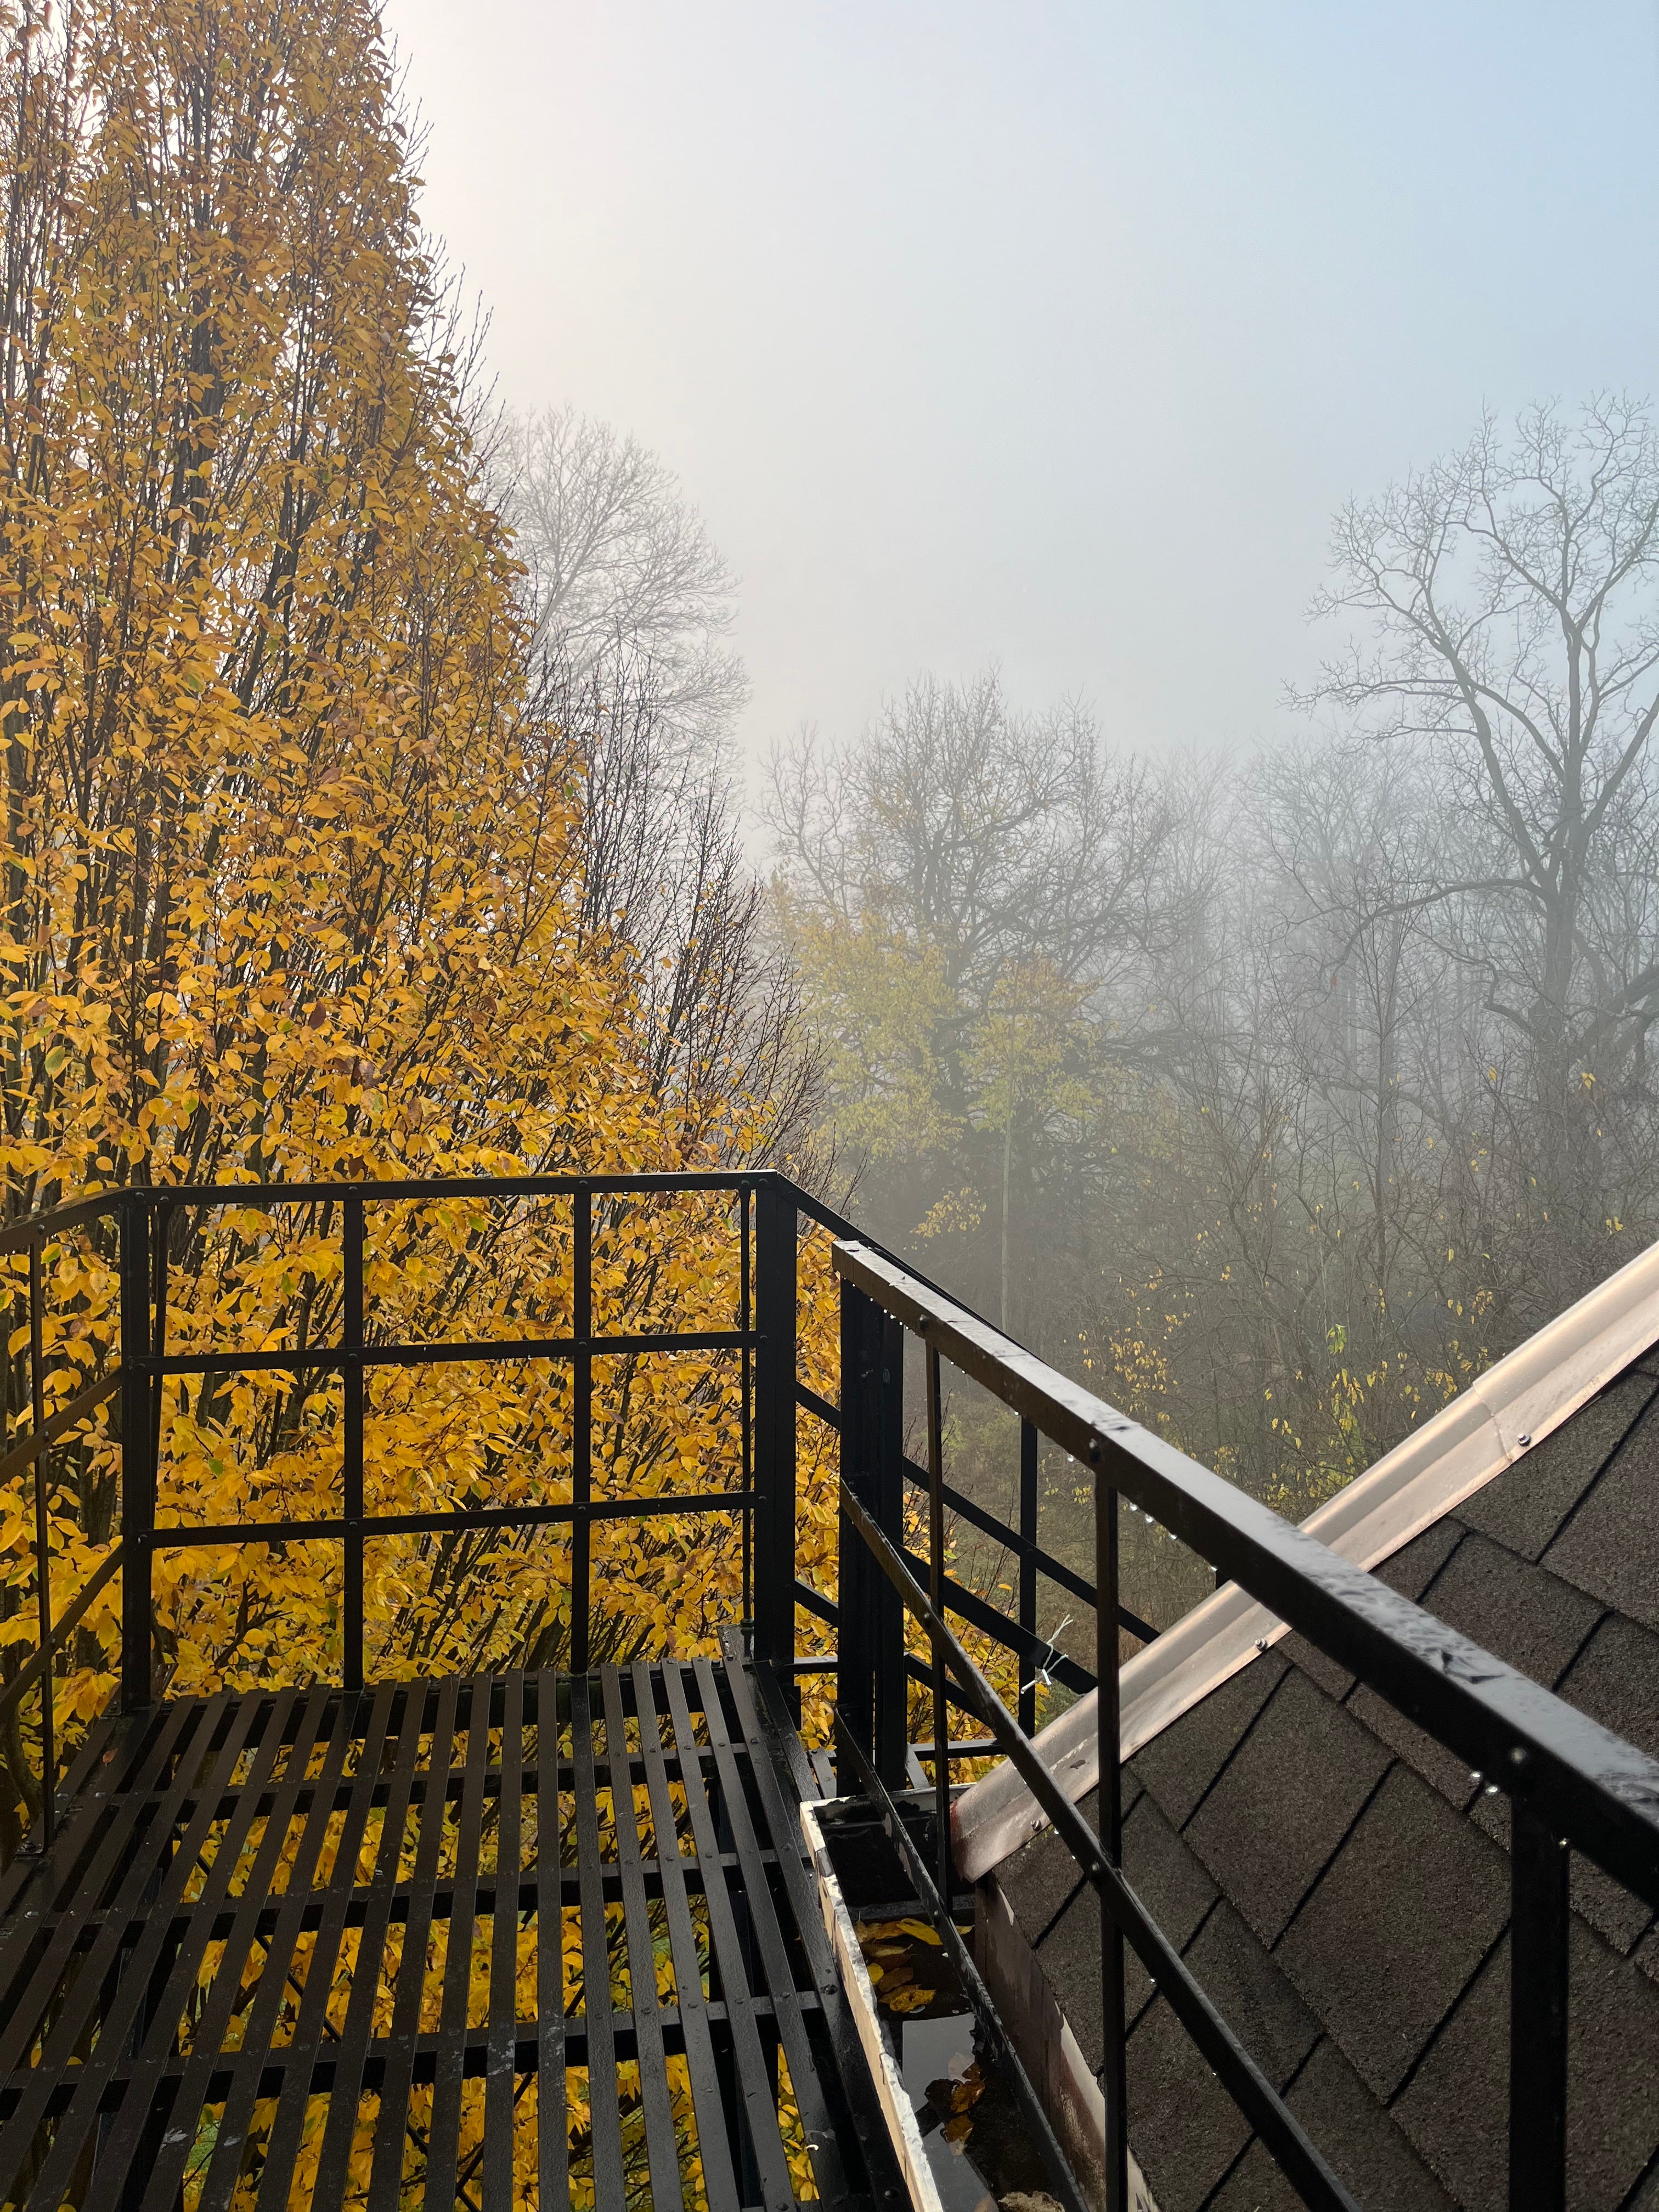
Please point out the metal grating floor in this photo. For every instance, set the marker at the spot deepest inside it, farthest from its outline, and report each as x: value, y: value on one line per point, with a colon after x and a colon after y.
x: 263, y: 1964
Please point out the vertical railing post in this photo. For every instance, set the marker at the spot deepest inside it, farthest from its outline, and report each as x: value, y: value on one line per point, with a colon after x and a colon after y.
x: 42, y: 1546
x: 139, y: 1426
x: 775, y: 1323
x: 1028, y: 1573
x: 936, y: 1592
x: 1539, y: 1924
x: 351, y: 1332
x: 855, y: 1633
x: 870, y: 1633
x: 892, y: 1753
x: 746, y: 1402
x: 1113, y: 2077
x: 581, y: 1414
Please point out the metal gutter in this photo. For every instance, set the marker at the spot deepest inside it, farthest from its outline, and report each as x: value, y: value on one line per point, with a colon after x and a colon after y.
x: 1506, y: 1412
x: 895, y: 2107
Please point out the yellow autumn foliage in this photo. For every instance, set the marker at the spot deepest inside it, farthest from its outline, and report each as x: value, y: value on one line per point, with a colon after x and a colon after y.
x: 289, y: 890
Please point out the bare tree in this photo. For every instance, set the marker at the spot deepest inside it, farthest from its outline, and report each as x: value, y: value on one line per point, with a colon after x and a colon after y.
x: 631, y: 600
x: 992, y: 836
x: 1513, y: 598
x: 663, y: 877
x: 622, y: 573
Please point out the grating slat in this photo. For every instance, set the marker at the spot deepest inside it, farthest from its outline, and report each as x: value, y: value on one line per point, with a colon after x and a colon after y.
x: 26, y: 2006
x: 662, y: 2150
x: 71, y: 2016
x: 719, y: 2181
x: 444, y: 2142
x: 269, y: 2002
x: 385, y: 2186
x: 139, y: 2093
x: 301, y: 2051
x: 339, y: 2134
x: 161, y: 2192
x: 551, y: 2147
x: 756, y: 2066
x: 603, y: 2100
x: 499, y: 2080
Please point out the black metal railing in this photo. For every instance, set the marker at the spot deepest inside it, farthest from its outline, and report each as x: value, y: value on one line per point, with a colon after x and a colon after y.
x: 771, y: 1212
x: 1571, y: 1785
x: 763, y: 1337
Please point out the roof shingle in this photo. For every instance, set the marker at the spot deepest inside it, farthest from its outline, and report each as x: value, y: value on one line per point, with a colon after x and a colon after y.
x: 1527, y: 1504
x: 1179, y: 1766
x: 1285, y: 1802
x: 1610, y: 1546
x: 1358, y: 1944
x: 1369, y: 2154
x: 1529, y: 1617
x: 1400, y: 1919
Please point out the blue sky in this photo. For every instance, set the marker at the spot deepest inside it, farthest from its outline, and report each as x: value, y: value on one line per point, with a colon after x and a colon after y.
x: 1048, y: 334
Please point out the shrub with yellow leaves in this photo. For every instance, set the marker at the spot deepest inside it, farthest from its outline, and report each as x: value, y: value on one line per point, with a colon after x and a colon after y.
x: 290, y: 873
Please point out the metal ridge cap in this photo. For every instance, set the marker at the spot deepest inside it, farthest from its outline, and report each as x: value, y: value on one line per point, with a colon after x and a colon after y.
x: 1528, y: 1393
x: 1520, y: 1399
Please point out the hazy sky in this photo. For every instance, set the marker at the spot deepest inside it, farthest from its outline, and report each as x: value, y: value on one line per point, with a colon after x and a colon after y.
x: 1050, y: 334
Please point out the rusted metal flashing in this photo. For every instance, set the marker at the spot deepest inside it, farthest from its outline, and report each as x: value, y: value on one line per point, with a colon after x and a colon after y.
x: 1048, y: 2050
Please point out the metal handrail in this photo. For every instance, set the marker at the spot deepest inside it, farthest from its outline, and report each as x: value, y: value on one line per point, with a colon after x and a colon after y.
x: 147, y: 1363
x: 37, y: 1228
x: 143, y: 1209
x: 1255, y: 2096
x: 1572, y: 1784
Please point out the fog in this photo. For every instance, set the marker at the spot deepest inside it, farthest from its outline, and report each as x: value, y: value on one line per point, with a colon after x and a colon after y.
x: 1046, y: 337
x: 926, y: 437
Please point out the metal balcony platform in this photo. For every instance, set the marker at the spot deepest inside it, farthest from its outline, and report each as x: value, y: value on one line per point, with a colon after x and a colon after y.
x: 308, y: 1946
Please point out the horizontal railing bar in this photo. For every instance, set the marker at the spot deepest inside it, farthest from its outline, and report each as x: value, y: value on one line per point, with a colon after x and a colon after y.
x: 436, y: 1355
x: 1070, y: 1580
x: 1248, y: 2088
x: 1002, y: 1629
x: 29, y: 1449
x: 18, y: 1235
x: 36, y: 1228
x: 407, y: 1190
x: 978, y: 1516
x: 975, y: 1747
x: 809, y: 1400
x: 815, y: 1601
x: 433, y: 1524
x: 919, y: 1672
x: 74, y: 1613
x: 508, y: 1516
x: 998, y: 1625
x: 1055, y: 1570
x: 976, y: 1610
x: 1601, y: 1793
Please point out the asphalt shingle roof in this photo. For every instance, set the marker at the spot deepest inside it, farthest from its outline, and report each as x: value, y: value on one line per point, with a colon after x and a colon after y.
x: 1340, y: 1886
